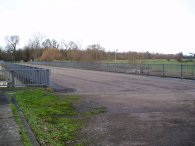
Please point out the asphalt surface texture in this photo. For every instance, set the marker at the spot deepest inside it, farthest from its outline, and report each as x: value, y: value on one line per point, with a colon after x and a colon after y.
x: 141, y: 110
x: 9, y: 131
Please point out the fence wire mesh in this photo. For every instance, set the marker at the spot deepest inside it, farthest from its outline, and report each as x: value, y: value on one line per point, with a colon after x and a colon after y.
x: 166, y: 70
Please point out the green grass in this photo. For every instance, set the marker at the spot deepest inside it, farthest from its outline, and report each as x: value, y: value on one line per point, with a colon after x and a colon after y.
x: 153, y: 61
x: 95, y: 111
x: 53, y: 119
x: 113, y: 61
x: 164, y: 61
x: 24, y: 138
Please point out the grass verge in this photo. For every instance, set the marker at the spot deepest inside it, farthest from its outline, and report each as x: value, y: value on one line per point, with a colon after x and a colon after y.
x: 24, y: 138
x: 95, y: 111
x: 53, y: 120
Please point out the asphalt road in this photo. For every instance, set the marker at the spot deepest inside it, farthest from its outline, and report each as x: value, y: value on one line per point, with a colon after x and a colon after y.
x: 141, y: 110
x: 95, y: 82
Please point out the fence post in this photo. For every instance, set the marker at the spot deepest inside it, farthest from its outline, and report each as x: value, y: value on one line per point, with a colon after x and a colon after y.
x: 148, y: 69
x: 193, y: 71
x: 125, y: 69
x: 163, y: 70
x: 13, y: 81
x: 48, y: 77
x: 181, y: 73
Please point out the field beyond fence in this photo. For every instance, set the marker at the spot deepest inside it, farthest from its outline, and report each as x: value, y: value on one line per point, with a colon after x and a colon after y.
x: 164, y: 70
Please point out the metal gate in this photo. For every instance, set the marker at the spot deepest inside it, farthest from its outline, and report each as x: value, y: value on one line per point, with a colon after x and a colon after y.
x: 14, y: 75
x: 27, y: 77
x: 3, y: 79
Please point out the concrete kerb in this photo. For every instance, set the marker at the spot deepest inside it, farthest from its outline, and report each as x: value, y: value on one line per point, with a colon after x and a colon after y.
x: 25, y: 124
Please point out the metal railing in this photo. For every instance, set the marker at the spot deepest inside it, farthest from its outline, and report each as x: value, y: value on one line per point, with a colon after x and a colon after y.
x: 16, y: 75
x: 164, y: 70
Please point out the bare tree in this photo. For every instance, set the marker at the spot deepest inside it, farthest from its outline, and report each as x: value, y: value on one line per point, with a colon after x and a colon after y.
x: 54, y: 44
x: 72, y: 46
x: 12, y: 42
x: 50, y: 44
x: 63, y: 45
x: 35, y: 44
x: 36, y: 41
x: 47, y: 44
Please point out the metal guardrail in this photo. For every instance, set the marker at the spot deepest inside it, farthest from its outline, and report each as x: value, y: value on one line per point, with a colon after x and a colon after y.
x: 164, y: 70
x: 16, y: 75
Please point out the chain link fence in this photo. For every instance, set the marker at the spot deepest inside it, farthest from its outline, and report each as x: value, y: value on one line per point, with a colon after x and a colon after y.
x: 164, y: 70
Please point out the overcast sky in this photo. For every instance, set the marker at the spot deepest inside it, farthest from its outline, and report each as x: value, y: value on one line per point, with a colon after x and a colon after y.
x: 164, y: 26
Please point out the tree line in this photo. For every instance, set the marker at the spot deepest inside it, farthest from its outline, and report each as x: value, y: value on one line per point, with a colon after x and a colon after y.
x: 41, y: 49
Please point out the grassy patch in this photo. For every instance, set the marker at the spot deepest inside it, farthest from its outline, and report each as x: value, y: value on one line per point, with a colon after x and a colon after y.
x: 154, y: 61
x: 164, y: 61
x: 53, y: 119
x: 24, y: 138
x: 95, y: 111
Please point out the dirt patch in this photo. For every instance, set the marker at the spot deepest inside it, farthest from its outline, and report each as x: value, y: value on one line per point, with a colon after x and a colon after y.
x: 61, y: 89
x: 130, y: 129
x: 64, y: 90
x: 136, y: 122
